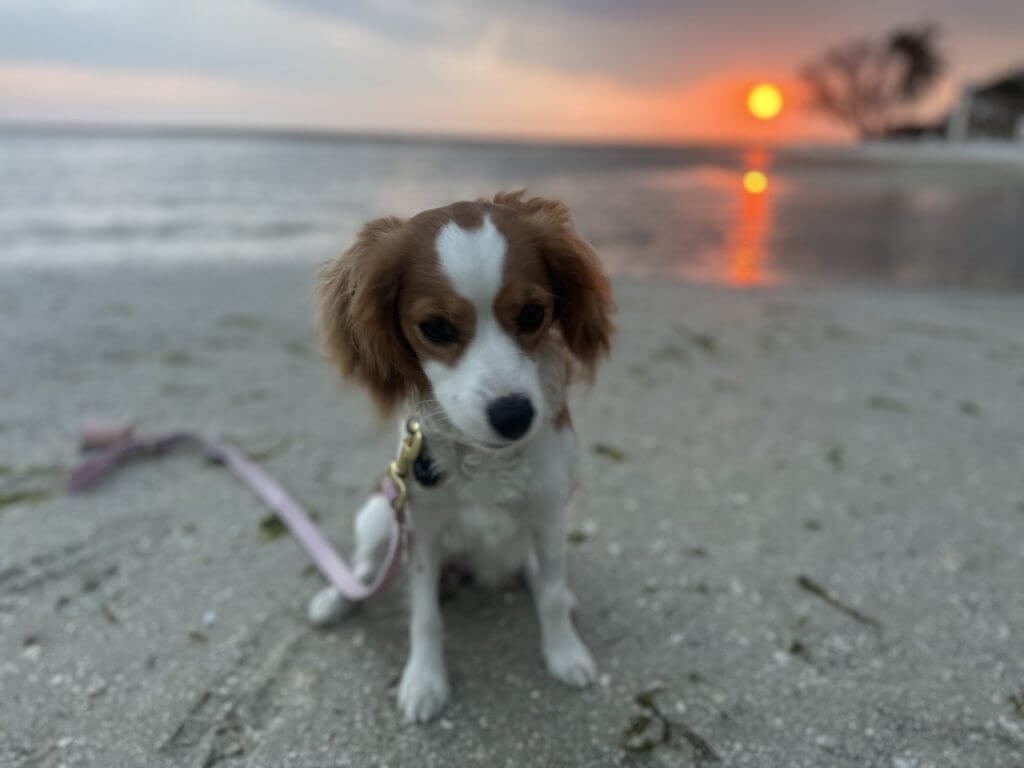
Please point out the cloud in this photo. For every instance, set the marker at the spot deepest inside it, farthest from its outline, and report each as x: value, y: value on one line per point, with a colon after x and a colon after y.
x: 654, y: 42
x: 639, y: 43
x: 250, y: 40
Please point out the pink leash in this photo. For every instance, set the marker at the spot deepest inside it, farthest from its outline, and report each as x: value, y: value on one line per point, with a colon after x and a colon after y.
x: 118, y: 444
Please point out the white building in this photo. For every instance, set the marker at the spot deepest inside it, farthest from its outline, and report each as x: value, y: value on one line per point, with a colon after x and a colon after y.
x: 993, y: 110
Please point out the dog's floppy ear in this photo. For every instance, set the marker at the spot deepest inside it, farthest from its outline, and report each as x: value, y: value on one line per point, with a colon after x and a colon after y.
x: 583, y: 301
x: 358, y: 314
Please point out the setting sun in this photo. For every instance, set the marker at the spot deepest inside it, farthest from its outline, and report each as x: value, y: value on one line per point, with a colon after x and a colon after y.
x: 755, y: 182
x: 764, y: 101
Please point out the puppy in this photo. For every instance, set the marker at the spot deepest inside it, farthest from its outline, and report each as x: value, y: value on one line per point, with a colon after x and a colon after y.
x: 472, y: 318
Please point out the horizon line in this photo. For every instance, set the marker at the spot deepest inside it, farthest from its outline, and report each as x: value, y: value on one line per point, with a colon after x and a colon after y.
x: 142, y: 128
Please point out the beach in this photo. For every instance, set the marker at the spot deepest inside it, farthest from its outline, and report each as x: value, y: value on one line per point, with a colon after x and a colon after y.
x: 801, y: 541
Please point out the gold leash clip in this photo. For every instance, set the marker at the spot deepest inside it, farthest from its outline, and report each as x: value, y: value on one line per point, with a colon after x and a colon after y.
x: 408, y: 452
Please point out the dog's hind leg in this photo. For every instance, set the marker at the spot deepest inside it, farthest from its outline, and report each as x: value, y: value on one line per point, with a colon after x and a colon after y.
x: 373, y: 525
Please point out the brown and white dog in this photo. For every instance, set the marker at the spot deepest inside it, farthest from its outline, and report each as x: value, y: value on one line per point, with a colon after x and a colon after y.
x: 471, y: 318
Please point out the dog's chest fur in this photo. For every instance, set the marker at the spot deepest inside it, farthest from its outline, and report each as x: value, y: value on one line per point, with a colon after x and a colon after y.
x: 488, y: 504
x: 484, y: 527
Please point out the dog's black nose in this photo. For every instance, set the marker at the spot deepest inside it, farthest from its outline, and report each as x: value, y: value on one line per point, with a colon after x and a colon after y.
x: 511, y: 416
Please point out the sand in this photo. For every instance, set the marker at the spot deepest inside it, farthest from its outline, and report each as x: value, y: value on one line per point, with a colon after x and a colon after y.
x: 804, y: 526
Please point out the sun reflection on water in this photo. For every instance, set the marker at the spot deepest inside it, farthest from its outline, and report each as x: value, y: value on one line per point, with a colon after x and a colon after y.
x: 746, y: 250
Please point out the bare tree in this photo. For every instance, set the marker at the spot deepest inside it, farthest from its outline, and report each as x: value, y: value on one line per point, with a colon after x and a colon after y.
x: 867, y: 84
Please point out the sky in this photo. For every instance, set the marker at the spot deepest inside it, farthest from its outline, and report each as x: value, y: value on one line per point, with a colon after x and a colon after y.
x: 634, y: 70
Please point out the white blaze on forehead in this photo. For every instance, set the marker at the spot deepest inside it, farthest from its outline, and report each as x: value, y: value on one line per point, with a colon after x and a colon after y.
x: 492, y: 365
x: 473, y: 260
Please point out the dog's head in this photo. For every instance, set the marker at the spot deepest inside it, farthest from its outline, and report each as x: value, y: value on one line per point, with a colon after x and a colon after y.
x: 455, y: 305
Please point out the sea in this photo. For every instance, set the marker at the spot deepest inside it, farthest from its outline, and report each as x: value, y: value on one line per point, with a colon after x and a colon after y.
x: 943, y: 217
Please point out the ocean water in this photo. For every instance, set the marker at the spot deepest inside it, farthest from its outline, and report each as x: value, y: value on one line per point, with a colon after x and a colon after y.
x: 681, y: 213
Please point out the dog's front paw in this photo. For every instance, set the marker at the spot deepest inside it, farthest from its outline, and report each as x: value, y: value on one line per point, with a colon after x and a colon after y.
x: 571, y: 663
x: 423, y: 691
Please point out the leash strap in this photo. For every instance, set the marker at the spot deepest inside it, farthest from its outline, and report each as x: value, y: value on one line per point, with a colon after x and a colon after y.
x: 118, y: 445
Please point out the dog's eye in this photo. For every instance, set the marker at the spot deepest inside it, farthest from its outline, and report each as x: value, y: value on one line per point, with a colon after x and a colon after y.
x: 437, y: 330
x: 531, y: 317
